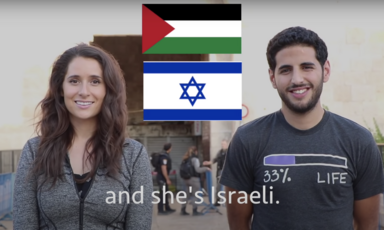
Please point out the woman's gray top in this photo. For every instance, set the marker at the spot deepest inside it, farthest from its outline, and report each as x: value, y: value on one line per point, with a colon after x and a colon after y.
x: 36, y: 207
x: 196, y: 165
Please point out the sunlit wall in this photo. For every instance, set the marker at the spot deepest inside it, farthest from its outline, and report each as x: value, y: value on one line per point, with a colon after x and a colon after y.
x: 33, y: 35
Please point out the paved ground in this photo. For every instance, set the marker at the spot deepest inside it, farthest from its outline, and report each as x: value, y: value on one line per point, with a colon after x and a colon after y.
x: 7, y: 224
x: 210, y: 221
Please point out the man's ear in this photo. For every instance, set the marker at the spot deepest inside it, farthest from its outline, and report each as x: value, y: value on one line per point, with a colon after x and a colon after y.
x: 272, y: 78
x: 327, y: 71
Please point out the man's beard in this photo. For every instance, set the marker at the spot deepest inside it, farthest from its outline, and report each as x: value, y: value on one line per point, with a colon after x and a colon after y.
x: 299, y: 107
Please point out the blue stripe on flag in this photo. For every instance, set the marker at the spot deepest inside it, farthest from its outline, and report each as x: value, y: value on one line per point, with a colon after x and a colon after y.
x: 192, y: 67
x: 192, y: 114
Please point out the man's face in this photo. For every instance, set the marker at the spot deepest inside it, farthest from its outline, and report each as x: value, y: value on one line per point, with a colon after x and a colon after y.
x: 299, y: 77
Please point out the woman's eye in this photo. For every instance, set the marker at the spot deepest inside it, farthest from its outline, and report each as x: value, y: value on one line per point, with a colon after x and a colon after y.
x: 95, y: 82
x: 74, y: 81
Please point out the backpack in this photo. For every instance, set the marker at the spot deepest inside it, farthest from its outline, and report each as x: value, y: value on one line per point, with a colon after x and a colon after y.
x: 155, y: 157
x: 186, y: 169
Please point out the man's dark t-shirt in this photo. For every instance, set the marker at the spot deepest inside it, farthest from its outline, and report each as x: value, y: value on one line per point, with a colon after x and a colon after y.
x: 164, y: 159
x: 310, y: 178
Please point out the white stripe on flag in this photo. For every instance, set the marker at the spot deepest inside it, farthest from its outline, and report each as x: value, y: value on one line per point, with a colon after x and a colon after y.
x: 163, y: 91
x: 205, y: 29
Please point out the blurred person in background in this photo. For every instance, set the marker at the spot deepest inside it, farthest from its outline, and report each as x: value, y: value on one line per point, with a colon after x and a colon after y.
x: 193, y: 183
x: 66, y: 174
x: 163, y: 169
x: 219, y: 159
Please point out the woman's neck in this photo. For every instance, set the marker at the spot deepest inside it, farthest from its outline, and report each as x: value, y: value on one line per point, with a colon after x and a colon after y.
x: 84, y: 129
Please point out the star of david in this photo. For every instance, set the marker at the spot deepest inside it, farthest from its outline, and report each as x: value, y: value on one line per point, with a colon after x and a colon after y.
x: 199, y: 94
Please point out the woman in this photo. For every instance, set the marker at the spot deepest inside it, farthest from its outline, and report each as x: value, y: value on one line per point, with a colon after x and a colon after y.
x: 80, y: 172
x: 193, y: 184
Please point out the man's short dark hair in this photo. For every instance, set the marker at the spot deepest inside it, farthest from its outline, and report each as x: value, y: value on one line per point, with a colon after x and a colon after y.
x: 296, y: 36
x: 167, y: 146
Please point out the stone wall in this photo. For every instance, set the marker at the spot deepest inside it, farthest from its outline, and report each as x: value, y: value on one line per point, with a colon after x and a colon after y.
x: 354, y: 35
x: 356, y: 87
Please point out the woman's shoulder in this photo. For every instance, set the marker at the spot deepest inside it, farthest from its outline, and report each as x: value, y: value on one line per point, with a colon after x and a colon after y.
x: 132, y: 144
x: 30, y: 148
x: 135, y: 157
x: 133, y: 148
x: 32, y: 144
x: 34, y: 140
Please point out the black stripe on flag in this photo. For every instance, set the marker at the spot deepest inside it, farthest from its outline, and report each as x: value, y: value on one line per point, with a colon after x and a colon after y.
x: 197, y: 12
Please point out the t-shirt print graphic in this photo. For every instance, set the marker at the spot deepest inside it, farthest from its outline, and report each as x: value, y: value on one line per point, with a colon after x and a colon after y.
x: 307, y: 159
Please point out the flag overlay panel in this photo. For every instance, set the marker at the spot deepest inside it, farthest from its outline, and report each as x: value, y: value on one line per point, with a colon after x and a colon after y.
x: 192, y: 91
x: 191, y: 29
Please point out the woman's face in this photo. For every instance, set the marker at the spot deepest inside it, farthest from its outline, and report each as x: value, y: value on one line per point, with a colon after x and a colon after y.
x: 83, y: 88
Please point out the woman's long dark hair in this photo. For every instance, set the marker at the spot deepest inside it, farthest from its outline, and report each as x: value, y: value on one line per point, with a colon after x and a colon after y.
x: 55, y: 129
x: 192, y: 151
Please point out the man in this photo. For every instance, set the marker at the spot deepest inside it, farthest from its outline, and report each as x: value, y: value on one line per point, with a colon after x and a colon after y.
x: 163, y: 170
x: 219, y: 159
x: 302, y: 167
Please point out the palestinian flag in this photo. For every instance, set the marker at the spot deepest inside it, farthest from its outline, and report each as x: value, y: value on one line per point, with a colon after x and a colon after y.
x: 191, y: 29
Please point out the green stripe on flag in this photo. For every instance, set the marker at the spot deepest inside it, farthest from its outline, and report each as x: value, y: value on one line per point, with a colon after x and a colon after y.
x: 192, y: 45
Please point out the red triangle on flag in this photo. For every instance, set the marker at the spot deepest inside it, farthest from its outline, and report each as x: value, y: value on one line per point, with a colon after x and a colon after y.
x: 154, y: 29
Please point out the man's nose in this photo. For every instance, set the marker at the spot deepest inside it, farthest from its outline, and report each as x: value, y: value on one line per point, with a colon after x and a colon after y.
x: 297, y: 77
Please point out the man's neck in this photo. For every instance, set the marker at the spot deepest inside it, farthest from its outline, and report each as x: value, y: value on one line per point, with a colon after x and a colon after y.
x: 303, y: 121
